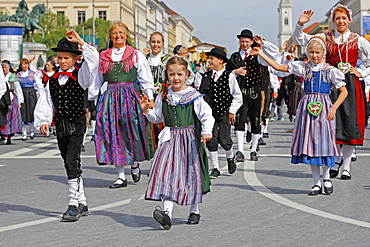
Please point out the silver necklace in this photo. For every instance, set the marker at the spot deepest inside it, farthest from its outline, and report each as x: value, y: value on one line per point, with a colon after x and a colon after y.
x: 118, y: 51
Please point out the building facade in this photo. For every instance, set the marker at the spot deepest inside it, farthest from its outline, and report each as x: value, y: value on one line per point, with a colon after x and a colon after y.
x: 142, y: 17
x: 285, y: 21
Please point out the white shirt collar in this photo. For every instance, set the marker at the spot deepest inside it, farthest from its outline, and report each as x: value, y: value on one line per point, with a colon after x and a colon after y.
x: 117, y: 53
x: 155, y: 59
x: 338, y: 36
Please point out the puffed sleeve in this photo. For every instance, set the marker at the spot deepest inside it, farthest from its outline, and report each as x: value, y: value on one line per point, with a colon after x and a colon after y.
x: 2, y: 83
x: 155, y: 115
x: 18, y: 91
x: 197, y: 80
x: 337, y: 78
x: 297, y: 67
x: 364, y: 47
x: 237, y: 101
x: 43, y: 113
x: 204, y: 114
x: 270, y: 50
x: 89, y: 68
x: 144, y: 75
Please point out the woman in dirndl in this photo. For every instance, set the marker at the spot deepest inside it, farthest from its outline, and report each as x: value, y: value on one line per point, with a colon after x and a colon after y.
x: 13, y: 117
x: 120, y: 133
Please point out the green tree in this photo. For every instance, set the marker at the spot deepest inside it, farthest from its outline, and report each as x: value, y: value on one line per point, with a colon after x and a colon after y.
x: 55, y: 26
x: 101, y: 30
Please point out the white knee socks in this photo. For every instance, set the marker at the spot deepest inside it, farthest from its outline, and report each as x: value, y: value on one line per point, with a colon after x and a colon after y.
x: 73, y: 192
x: 194, y: 208
x: 168, y: 206
x: 240, y: 140
x: 347, y: 155
x: 93, y: 123
x: 121, y: 174
x: 136, y: 166
x: 230, y: 153
x: 214, y: 160
x: 316, y: 174
x: 255, y: 138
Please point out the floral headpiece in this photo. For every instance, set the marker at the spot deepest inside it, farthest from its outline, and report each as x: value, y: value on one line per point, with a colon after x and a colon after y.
x: 318, y: 39
x: 340, y: 5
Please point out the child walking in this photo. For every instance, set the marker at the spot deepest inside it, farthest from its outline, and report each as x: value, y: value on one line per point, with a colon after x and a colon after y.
x: 65, y: 93
x: 314, y: 129
x: 222, y: 93
x: 179, y: 171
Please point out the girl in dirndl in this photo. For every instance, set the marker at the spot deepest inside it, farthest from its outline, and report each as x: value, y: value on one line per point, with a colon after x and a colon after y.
x: 179, y: 171
x: 314, y: 140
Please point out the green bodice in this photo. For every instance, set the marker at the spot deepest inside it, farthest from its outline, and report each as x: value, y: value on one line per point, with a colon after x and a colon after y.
x: 178, y: 116
x: 116, y: 76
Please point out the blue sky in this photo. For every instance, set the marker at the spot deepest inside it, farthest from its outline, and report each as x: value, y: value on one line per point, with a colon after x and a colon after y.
x: 219, y: 21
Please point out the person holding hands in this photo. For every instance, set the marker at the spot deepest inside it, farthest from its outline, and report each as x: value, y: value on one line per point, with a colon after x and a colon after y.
x: 63, y: 99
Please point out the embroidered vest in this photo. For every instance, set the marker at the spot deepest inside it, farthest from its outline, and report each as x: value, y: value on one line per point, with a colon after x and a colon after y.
x: 116, y: 76
x: 68, y: 99
x: 158, y: 71
x: 217, y: 94
x: 28, y: 81
x: 253, y: 75
x: 332, y: 51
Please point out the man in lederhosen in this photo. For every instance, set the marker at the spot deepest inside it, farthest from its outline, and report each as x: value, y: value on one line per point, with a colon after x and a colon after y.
x: 248, y: 71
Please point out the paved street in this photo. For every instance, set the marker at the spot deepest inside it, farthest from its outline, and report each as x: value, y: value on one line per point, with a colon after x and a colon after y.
x: 265, y: 203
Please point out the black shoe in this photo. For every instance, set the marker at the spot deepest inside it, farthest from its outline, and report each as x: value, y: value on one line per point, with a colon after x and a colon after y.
x: 92, y: 138
x: 136, y: 177
x: 254, y: 156
x: 328, y: 190
x: 354, y: 157
x: 265, y: 135
x: 315, y: 192
x: 345, y: 177
x: 84, y: 210
x: 72, y: 213
x: 193, y: 218
x: 117, y: 185
x: 334, y: 173
x: 8, y: 141
x: 215, y: 173
x: 231, y: 166
x: 239, y: 156
x: 83, y: 148
x: 261, y: 142
x: 162, y: 218
x: 248, y: 137
x: 32, y: 135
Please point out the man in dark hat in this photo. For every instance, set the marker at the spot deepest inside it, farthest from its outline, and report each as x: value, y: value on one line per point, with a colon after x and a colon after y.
x: 222, y: 93
x: 63, y: 98
x: 248, y: 71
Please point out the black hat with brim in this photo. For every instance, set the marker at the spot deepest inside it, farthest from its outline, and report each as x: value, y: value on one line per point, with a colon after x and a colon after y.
x: 64, y: 45
x: 246, y: 34
x: 218, y: 52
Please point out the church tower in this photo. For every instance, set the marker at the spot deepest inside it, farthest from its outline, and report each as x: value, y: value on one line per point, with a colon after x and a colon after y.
x: 285, y: 21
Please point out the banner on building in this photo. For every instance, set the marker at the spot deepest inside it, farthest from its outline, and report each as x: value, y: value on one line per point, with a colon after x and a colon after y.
x: 366, y: 25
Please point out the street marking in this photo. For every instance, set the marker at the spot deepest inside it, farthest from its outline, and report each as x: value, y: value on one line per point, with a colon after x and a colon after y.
x: 251, y: 178
x: 2, y: 165
x: 27, y: 149
x: 43, y: 157
x: 47, y: 220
